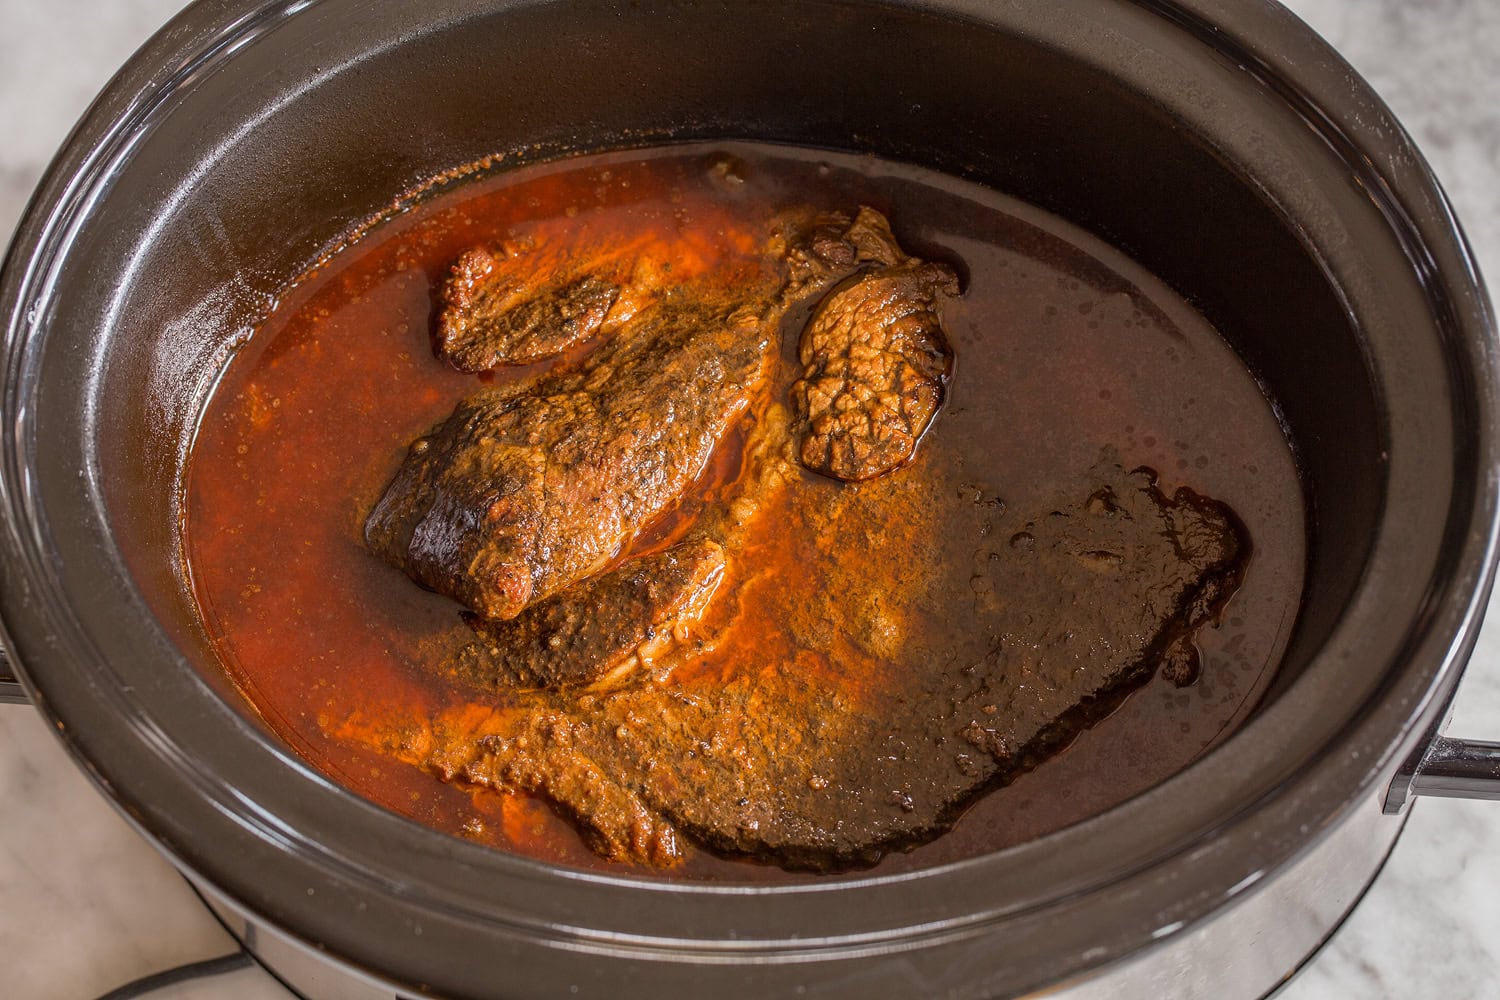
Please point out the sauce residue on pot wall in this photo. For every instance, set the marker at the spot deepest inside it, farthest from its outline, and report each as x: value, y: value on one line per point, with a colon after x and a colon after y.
x: 1066, y: 352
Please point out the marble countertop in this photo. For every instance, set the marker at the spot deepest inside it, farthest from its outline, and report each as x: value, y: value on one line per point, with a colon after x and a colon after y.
x: 86, y: 905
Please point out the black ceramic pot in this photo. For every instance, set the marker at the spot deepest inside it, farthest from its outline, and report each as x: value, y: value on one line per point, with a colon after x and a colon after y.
x: 1220, y: 143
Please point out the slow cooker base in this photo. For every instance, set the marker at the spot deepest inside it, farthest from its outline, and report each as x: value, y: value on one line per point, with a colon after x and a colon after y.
x: 1253, y: 949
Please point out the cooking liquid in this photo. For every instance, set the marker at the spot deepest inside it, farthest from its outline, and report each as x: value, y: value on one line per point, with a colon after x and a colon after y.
x: 1065, y: 351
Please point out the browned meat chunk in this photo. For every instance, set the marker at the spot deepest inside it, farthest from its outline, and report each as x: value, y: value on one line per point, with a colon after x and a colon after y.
x: 532, y: 486
x: 497, y: 311
x: 875, y: 361
x: 823, y: 762
x: 598, y: 630
x: 557, y: 283
x: 528, y: 488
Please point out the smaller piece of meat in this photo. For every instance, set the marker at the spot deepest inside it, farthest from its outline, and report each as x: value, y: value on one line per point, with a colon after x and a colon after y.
x: 600, y: 629
x: 493, y: 314
x: 553, y: 284
x: 875, y: 360
x: 834, y: 246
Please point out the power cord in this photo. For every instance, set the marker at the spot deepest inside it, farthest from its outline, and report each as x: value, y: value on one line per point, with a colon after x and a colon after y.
x: 200, y: 970
x: 181, y: 974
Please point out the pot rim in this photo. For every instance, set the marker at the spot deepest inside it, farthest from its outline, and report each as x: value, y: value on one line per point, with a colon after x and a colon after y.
x: 1180, y: 881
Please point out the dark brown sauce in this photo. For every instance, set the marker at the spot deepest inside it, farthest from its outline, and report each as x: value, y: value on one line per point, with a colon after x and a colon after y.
x: 1064, y: 349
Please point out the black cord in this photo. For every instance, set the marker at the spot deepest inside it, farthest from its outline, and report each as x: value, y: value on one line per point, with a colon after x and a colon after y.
x: 200, y: 970
x: 245, y: 938
x: 181, y: 974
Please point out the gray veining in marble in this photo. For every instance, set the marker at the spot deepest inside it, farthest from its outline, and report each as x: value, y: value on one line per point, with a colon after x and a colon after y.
x: 86, y: 905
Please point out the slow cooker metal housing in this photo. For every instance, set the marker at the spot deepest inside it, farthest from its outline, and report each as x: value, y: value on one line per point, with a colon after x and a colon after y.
x: 1220, y: 143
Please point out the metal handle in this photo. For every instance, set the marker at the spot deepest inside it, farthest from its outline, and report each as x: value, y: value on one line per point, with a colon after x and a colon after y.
x: 11, y: 692
x: 1447, y: 768
x: 1459, y: 769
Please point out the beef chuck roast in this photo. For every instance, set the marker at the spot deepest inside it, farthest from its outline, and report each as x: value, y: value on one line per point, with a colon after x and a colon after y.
x: 531, y: 486
x: 867, y: 725
x: 556, y: 285
x: 553, y: 284
x: 528, y: 488
x: 875, y: 361
x: 855, y: 737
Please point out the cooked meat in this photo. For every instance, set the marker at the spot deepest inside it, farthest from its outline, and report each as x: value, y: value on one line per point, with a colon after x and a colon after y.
x: 531, y: 486
x: 875, y: 360
x: 854, y: 738
x: 556, y: 283
x: 508, y: 311
x: 560, y: 282
x: 835, y: 245
x: 864, y: 728
x: 598, y: 629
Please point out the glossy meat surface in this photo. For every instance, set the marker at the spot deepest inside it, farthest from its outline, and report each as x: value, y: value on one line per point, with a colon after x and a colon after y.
x: 875, y: 363
x: 482, y: 326
x: 875, y: 360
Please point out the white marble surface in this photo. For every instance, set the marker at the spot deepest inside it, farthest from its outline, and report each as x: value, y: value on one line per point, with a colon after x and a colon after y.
x: 86, y: 905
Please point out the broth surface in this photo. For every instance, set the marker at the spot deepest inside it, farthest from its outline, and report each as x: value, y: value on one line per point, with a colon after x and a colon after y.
x: 1065, y: 350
